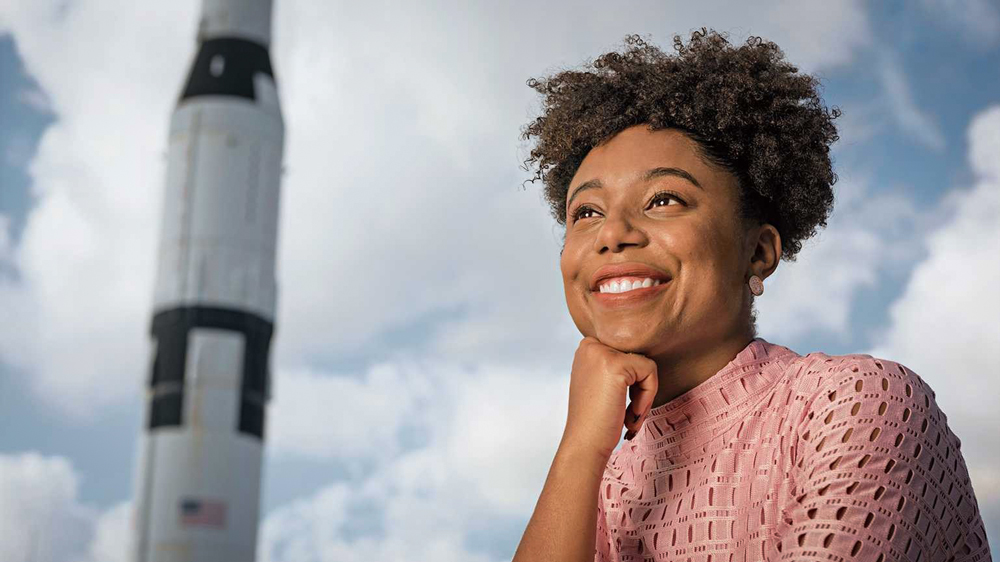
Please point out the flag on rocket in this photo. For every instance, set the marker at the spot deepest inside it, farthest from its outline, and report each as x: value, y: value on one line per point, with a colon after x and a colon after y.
x: 198, y: 512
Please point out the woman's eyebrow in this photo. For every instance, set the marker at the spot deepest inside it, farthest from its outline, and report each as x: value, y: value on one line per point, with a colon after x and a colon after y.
x: 589, y: 184
x: 650, y: 174
x: 678, y: 172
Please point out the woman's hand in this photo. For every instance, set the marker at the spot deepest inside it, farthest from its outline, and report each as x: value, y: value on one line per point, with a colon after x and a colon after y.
x: 601, y: 378
x: 564, y: 526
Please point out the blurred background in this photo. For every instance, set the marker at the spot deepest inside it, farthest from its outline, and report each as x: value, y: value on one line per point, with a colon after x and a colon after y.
x: 423, y: 348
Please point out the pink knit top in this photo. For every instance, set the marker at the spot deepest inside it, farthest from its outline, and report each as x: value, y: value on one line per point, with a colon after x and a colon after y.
x: 780, y: 456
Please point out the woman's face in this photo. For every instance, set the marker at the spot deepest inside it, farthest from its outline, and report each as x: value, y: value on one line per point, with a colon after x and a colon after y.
x: 617, y: 215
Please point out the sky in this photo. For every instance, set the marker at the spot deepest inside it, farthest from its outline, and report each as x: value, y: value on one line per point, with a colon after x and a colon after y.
x: 423, y: 348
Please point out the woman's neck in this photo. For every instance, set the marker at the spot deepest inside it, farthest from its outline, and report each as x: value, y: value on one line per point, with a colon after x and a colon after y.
x: 680, y: 372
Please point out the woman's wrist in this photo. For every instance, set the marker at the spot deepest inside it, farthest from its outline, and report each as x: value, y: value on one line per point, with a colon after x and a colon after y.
x: 580, y: 456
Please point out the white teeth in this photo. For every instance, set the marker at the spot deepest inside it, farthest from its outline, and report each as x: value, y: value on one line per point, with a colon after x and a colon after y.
x: 623, y: 286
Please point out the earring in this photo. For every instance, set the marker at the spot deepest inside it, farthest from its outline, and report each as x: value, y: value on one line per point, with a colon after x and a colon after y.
x: 756, y: 285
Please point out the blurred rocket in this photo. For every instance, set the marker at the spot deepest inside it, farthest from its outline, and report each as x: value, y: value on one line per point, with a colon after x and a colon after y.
x: 198, y: 469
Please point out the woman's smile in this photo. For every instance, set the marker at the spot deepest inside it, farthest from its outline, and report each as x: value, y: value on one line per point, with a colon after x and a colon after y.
x: 634, y: 297
x: 629, y: 283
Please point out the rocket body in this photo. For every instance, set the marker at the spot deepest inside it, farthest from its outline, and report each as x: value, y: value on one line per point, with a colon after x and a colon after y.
x: 198, y: 469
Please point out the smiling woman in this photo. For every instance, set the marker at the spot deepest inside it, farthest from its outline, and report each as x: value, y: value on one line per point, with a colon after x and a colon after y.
x: 682, y: 181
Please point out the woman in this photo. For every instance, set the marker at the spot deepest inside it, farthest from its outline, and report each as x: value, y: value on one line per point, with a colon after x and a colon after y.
x: 682, y: 180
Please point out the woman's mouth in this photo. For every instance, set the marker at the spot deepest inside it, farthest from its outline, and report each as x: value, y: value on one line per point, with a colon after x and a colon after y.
x: 628, y: 291
x: 625, y: 284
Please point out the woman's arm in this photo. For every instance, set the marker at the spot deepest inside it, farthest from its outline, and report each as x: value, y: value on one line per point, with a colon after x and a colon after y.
x: 878, y: 474
x: 568, y: 523
x: 564, y: 526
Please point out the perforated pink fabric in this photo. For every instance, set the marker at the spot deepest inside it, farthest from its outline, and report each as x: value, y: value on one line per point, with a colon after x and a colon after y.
x: 787, y: 457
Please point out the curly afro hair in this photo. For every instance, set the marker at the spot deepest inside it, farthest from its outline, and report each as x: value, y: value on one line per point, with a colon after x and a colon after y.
x: 748, y: 110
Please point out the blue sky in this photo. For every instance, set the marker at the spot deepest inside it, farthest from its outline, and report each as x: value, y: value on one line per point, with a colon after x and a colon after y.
x: 390, y: 428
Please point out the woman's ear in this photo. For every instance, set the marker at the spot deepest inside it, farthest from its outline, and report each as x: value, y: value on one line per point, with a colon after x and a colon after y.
x: 766, y: 251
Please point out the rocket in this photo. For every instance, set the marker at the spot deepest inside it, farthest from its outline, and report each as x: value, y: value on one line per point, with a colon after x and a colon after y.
x: 198, y: 464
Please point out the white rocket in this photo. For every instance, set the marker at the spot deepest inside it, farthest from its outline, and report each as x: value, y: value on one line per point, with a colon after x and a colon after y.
x: 198, y: 469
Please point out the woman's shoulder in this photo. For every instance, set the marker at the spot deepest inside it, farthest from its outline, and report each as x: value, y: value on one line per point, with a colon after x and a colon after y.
x: 860, y: 390
x: 860, y: 376
x: 871, y: 435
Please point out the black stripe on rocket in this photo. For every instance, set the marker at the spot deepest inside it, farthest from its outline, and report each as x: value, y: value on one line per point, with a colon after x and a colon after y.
x: 226, y: 67
x: 171, y: 329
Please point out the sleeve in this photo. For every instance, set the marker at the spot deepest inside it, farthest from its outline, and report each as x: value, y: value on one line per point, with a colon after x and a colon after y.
x: 603, y: 551
x: 878, y: 475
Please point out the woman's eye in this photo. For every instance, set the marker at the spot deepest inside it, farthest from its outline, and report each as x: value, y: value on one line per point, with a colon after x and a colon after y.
x: 665, y: 196
x: 580, y: 211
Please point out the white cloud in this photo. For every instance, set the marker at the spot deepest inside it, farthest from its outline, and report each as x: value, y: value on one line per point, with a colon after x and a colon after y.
x: 316, y: 530
x: 944, y: 325
x: 339, y: 417
x: 868, y: 234
x: 472, y: 419
x: 860, y: 121
x: 899, y: 103
x: 81, y: 307
x: 492, y: 433
x: 41, y: 517
x: 815, y: 35
x: 323, y: 527
x: 111, y: 537
x: 18, y: 151
x: 977, y: 20
x: 6, y: 245
x: 984, y: 146
x: 503, y: 433
x: 35, y: 99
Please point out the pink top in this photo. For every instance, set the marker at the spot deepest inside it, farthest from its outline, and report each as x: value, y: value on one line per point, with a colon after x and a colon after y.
x: 785, y: 457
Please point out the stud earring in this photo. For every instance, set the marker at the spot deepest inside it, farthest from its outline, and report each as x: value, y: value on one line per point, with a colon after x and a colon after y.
x: 756, y: 285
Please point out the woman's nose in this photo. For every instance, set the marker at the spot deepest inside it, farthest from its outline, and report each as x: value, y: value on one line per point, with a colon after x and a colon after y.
x: 617, y: 232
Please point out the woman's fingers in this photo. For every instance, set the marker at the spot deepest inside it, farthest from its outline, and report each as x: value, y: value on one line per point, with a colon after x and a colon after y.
x: 642, y: 391
x: 602, y: 380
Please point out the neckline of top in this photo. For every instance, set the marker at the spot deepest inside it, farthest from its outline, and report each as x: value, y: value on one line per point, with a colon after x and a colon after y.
x: 681, y: 425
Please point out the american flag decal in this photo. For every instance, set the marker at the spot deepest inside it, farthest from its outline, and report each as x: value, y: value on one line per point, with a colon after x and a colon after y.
x: 198, y: 512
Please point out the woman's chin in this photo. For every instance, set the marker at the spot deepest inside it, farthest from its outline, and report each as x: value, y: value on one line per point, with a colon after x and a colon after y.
x: 625, y: 341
